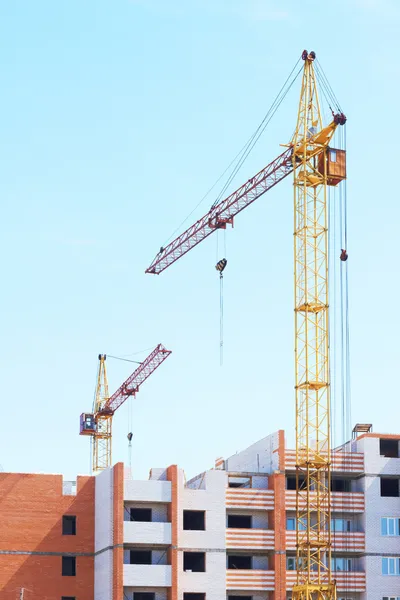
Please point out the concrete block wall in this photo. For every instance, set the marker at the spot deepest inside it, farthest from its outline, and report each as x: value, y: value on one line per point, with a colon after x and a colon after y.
x: 261, y: 457
x: 211, y: 499
x: 104, y: 522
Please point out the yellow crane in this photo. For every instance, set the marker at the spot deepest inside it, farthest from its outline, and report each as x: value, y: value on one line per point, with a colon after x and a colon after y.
x: 315, y: 166
x: 98, y: 424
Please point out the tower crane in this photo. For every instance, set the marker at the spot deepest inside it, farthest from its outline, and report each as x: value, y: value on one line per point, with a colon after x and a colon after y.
x: 314, y: 166
x: 98, y: 424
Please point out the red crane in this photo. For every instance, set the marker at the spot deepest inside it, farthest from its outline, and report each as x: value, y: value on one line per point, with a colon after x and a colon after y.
x: 98, y: 423
x: 223, y: 213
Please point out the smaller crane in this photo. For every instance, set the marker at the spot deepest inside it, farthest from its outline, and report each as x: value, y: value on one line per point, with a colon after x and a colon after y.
x: 98, y: 423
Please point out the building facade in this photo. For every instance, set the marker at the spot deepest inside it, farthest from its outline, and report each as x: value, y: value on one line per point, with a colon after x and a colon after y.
x: 227, y: 534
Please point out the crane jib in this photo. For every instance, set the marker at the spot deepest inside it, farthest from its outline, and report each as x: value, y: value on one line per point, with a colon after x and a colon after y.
x: 224, y: 212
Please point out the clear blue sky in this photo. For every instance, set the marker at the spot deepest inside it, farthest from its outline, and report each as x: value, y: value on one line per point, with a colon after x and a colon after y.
x: 117, y: 116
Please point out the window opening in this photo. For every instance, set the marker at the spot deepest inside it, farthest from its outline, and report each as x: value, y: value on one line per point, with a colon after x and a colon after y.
x: 144, y: 596
x: 68, y: 525
x: 194, y: 596
x: 68, y: 568
x: 389, y: 487
x: 194, y: 520
x: 389, y: 448
x: 194, y: 561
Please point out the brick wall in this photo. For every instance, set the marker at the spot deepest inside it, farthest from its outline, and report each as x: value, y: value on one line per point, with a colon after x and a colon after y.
x: 31, y: 540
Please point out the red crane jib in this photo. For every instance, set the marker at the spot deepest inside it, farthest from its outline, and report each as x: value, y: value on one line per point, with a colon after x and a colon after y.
x: 133, y: 383
x: 224, y: 212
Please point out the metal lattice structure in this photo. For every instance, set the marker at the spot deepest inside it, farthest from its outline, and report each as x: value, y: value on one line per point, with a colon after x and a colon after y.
x: 99, y: 423
x: 313, y: 540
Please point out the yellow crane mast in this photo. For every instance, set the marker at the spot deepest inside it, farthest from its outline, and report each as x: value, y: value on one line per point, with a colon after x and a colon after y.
x: 313, y: 168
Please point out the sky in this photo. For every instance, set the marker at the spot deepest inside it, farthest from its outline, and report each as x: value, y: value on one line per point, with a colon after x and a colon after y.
x: 117, y: 117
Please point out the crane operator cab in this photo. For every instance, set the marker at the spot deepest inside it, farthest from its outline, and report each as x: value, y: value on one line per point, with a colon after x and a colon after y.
x: 87, y: 424
x: 335, y: 165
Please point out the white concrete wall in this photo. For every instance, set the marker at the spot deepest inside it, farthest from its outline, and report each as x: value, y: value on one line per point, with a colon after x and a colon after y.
x: 147, y: 491
x: 104, y: 530
x: 211, y: 499
x: 147, y: 576
x: 137, y: 532
x: 259, y: 457
x: 376, y: 507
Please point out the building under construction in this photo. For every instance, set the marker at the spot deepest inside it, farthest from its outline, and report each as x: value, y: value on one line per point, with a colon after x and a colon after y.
x: 310, y: 523
x: 227, y: 534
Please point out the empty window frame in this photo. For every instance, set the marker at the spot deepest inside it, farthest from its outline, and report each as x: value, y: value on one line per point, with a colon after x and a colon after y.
x: 144, y: 596
x: 194, y: 520
x: 291, y: 482
x: 194, y: 561
x: 194, y: 596
x: 389, y: 487
x: 68, y: 566
x: 390, y: 565
x: 68, y: 525
x: 390, y: 526
x: 240, y: 562
x: 240, y: 597
x: 239, y: 521
x: 140, y: 557
x: 340, y: 485
x: 141, y: 514
x: 389, y: 448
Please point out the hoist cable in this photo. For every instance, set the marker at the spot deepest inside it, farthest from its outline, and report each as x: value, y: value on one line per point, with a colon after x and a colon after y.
x: 259, y: 131
x: 221, y: 319
x: 238, y: 156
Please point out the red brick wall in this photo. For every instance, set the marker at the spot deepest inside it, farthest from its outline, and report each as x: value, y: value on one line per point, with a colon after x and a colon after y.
x: 118, y: 553
x: 172, y: 476
x: 31, y: 510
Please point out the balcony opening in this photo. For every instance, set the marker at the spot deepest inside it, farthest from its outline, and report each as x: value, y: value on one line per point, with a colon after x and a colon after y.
x: 339, y: 484
x: 68, y: 567
x: 389, y: 487
x: 291, y: 482
x: 340, y: 563
x: 194, y: 520
x: 389, y: 448
x: 240, y: 562
x: 144, y: 596
x: 141, y: 514
x: 239, y: 521
x: 239, y: 482
x: 140, y: 557
x: 194, y: 562
x: 194, y: 596
x: 68, y: 525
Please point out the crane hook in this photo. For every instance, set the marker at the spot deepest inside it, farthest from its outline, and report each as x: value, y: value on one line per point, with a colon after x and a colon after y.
x: 344, y: 256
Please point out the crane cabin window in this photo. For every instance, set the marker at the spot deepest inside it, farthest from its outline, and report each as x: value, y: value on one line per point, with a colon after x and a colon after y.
x: 333, y: 156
